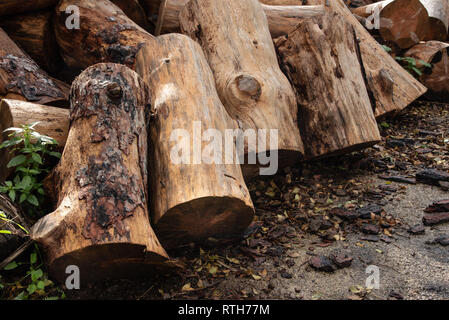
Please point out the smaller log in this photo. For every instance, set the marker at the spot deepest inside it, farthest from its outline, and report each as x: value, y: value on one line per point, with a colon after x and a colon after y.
x: 336, y: 113
x: 22, y: 79
x: 199, y: 195
x: 402, y: 22
x: 438, y: 23
x: 106, y: 34
x: 33, y: 32
x: 436, y: 79
x: 53, y: 122
x: 11, y: 7
x: 101, y: 223
x: 281, y: 19
x: 133, y: 10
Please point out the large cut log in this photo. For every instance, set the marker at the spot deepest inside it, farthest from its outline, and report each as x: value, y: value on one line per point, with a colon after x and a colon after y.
x: 101, y: 223
x: 53, y: 122
x: 336, y: 112
x: 33, y: 32
x: 9, y: 7
x: 22, y: 79
x: 133, y: 10
x: 436, y: 79
x: 402, y: 22
x: 438, y: 22
x: 106, y: 34
x: 255, y: 92
x: 196, y: 194
x: 281, y: 19
x: 390, y: 86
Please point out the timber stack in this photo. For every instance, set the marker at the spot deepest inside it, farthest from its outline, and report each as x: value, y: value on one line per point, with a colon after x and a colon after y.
x: 163, y: 110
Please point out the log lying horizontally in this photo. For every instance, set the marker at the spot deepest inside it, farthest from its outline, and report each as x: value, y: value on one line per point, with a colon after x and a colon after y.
x: 53, y: 122
x: 402, y: 22
x: 390, y: 86
x: 21, y: 78
x: 33, y: 32
x: 436, y: 79
x: 236, y: 40
x: 190, y: 201
x: 281, y: 19
x: 336, y: 113
x: 106, y: 34
x: 101, y: 222
x: 9, y: 7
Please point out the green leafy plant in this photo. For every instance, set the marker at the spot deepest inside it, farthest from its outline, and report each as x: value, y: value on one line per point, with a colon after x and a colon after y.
x: 32, y: 150
x: 4, y: 218
x: 411, y: 65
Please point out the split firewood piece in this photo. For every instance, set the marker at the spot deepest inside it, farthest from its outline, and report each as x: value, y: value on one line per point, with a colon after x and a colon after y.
x: 10, y: 7
x: 196, y: 193
x: 336, y: 112
x: 33, y: 32
x: 402, y: 22
x: 53, y: 122
x: 101, y: 223
x: 105, y: 34
x: 22, y: 79
x: 438, y: 11
x: 133, y: 10
x: 390, y: 86
x: 255, y: 92
x: 436, y: 78
x: 281, y: 19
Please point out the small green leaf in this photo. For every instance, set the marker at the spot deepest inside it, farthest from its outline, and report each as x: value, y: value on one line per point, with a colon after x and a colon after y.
x: 36, y: 158
x: 11, y: 266
x: 23, y: 197
x: 33, y: 258
x: 31, y: 288
x: 36, y: 275
x: 21, y: 296
x: 16, y: 161
x: 12, y: 195
x: 33, y: 200
x: 8, y: 183
x: 41, y: 285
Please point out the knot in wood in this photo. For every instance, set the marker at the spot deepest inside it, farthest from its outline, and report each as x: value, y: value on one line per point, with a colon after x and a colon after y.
x: 249, y: 85
x: 114, y: 91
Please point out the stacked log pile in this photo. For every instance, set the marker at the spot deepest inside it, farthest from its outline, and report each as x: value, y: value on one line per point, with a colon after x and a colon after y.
x: 147, y: 77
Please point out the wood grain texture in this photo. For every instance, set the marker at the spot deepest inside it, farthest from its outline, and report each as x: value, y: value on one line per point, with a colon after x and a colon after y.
x: 281, y: 19
x: 190, y: 201
x: 11, y: 7
x: 402, y: 22
x: 237, y: 43
x: 33, y: 32
x: 336, y: 113
x: 391, y: 87
x: 101, y: 221
x: 106, y: 34
x: 438, y: 23
x: 22, y: 79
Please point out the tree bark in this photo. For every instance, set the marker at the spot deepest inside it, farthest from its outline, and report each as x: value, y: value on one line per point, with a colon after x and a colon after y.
x: 402, y: 22
x: 33, y: 32
x: 22, y: 79
x: 336, y: 113
x: 101, y: 222
x: 201, y: 196
x: 253, y: 89
x: 106, y: 34
x: 281, y: 19
x: 391, y: 88
x: 10, y: 7
x: 133, y: 10
x: 435, y: 79
x: 438, y: 11
x: 53, y: 122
